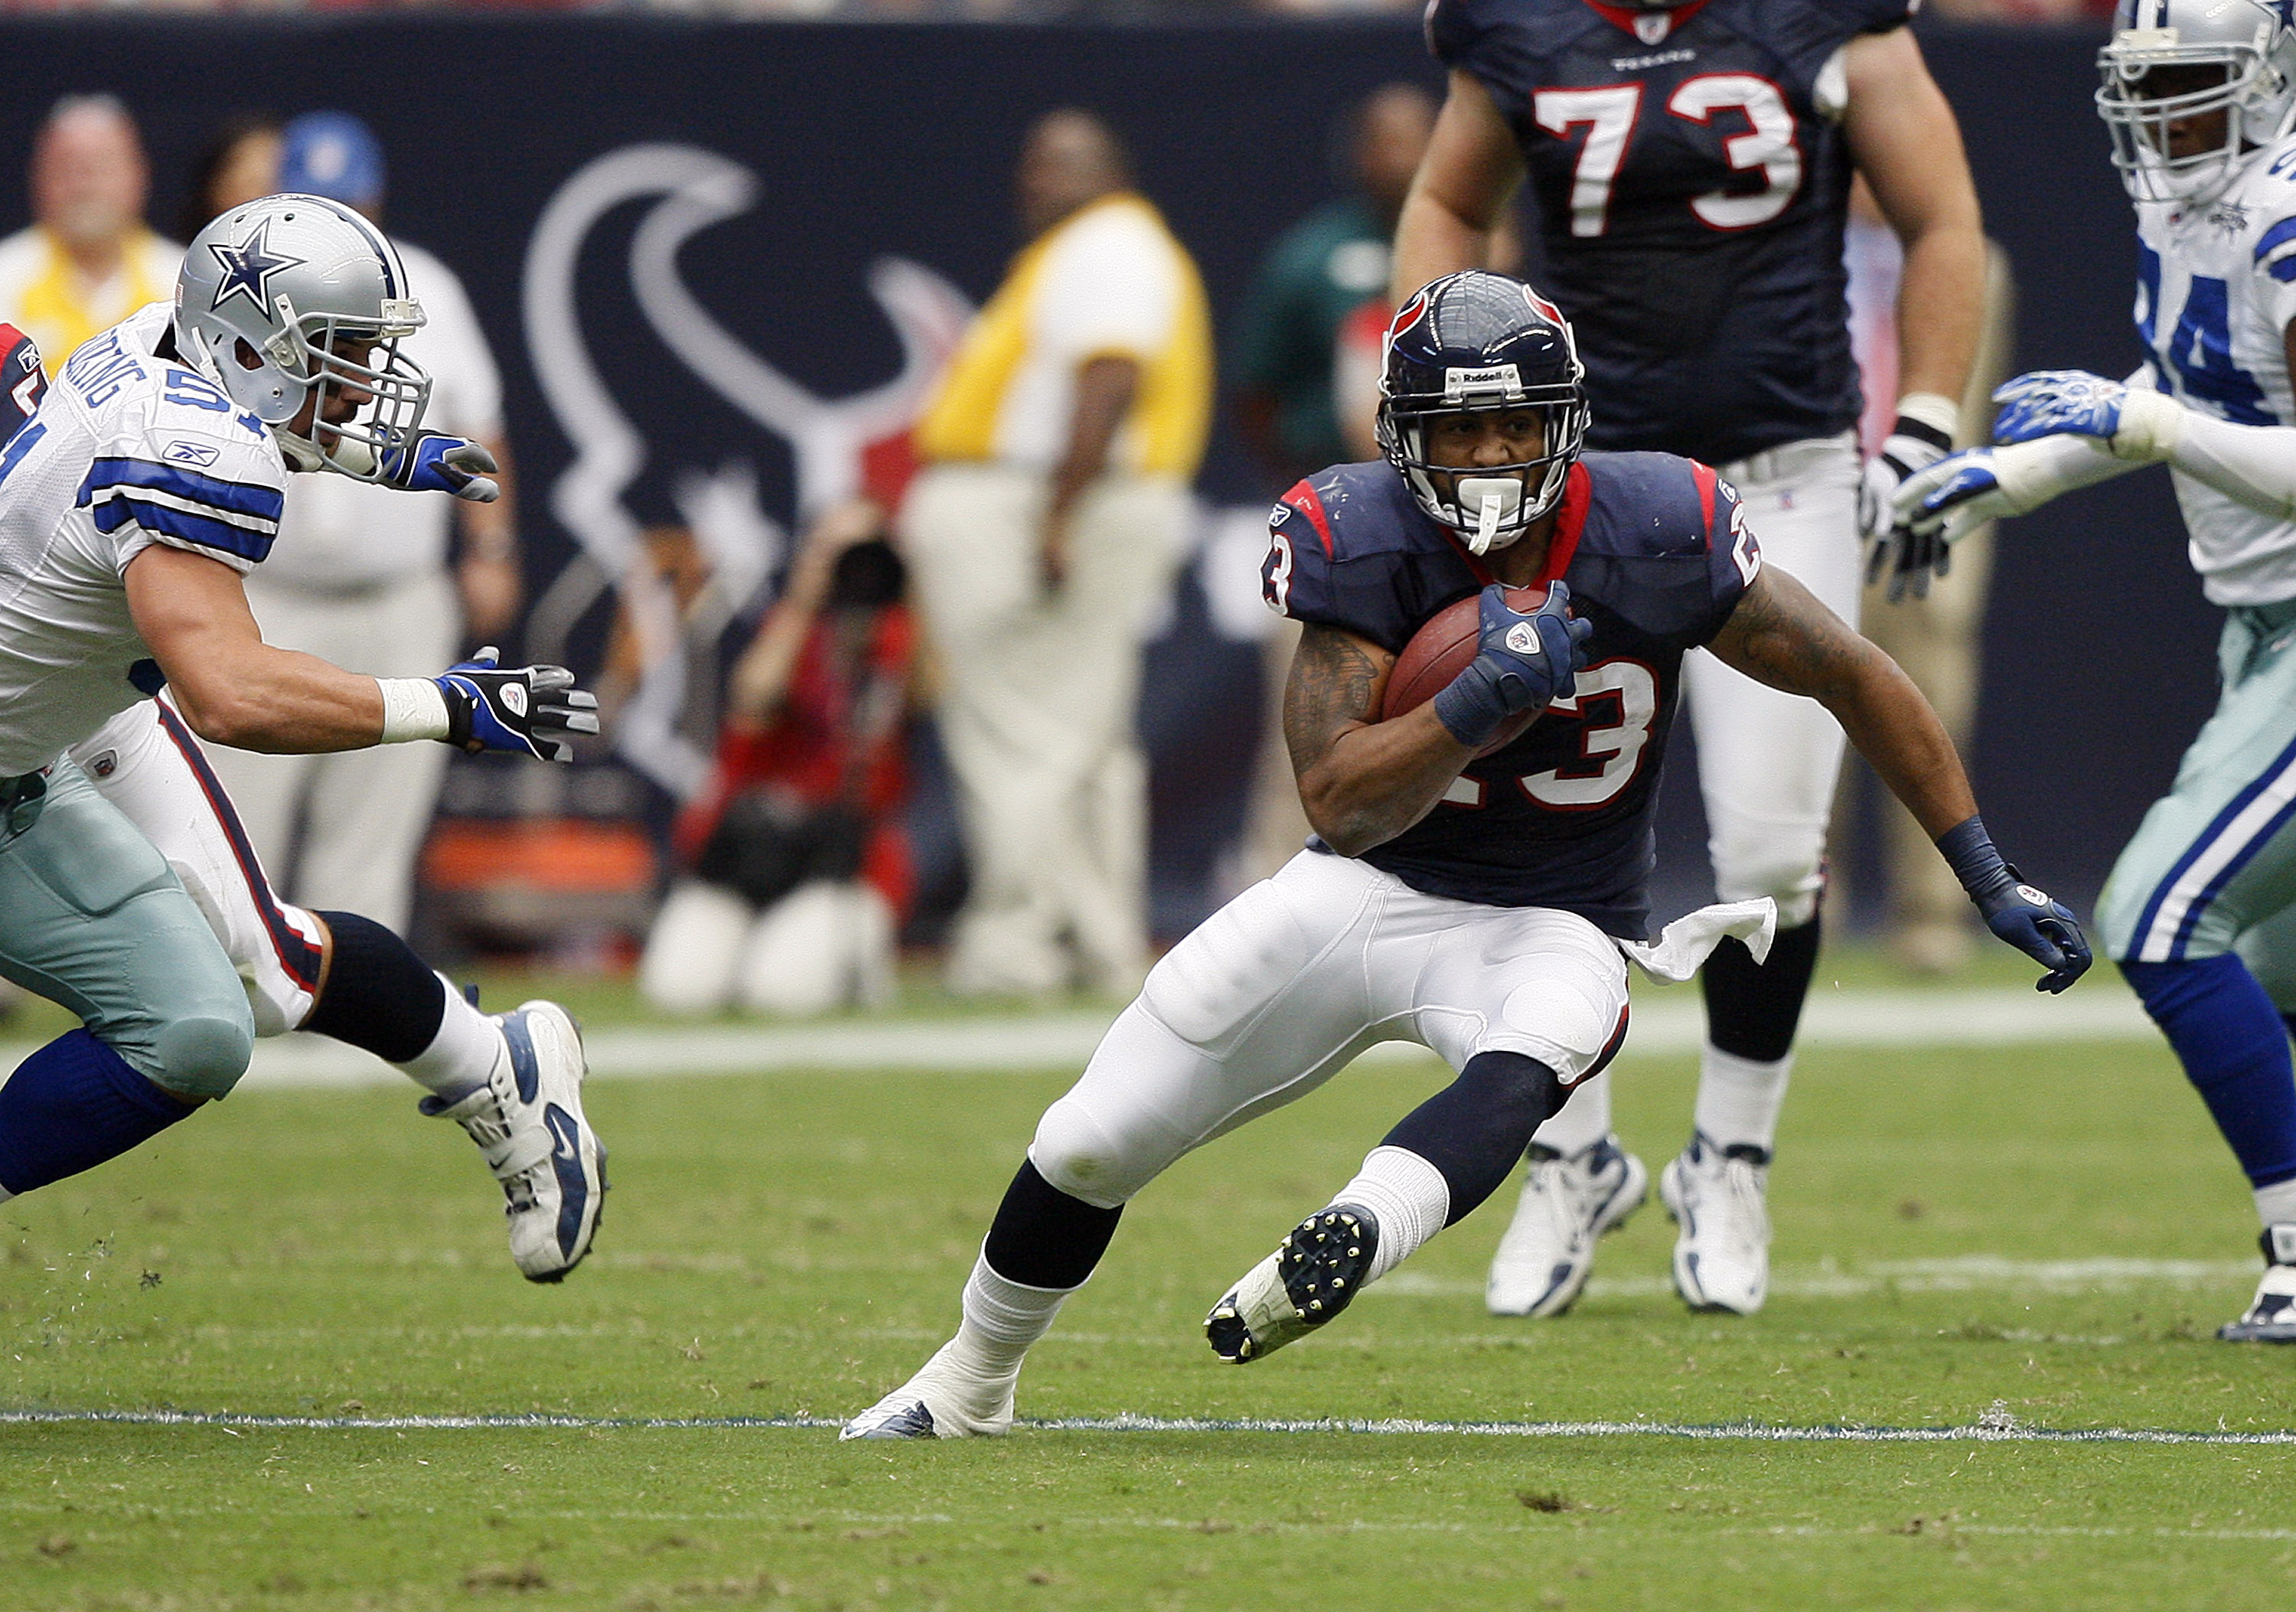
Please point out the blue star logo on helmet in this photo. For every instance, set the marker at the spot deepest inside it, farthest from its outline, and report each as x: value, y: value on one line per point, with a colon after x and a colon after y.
x: 248, y: 268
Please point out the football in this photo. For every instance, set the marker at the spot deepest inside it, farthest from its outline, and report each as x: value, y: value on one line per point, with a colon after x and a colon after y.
x: 1441, y: 649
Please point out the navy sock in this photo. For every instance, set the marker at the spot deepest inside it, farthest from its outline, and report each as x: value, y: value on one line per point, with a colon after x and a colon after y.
x: 1042, y: 1238
x: 2235, y: 1049
x: 72, y: 1105
x: 1475, y: 1129
x: 379, y: 995
x: 1752, y: 1009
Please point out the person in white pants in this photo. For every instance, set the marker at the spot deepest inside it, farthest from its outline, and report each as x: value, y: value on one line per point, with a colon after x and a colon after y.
x: 1690, y: 164
x: 1044, y: 530
x: 363, y: 576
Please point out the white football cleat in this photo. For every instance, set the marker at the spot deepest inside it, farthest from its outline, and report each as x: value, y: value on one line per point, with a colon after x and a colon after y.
x: 528, y: 1121
x: 942, y: 1401
x: 1716, y: 1195
x: 2271, y: 1316
x: 1568, y: 1201
x: 1311, y: 1277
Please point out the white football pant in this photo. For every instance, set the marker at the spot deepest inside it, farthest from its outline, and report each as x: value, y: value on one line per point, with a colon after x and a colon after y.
x: 146, y: 763
x: 1274, y: 994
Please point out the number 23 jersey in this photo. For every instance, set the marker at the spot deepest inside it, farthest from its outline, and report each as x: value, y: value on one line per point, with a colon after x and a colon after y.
x: 1691, y: 182
x: 1656, y: 552
x: 2216, y: 287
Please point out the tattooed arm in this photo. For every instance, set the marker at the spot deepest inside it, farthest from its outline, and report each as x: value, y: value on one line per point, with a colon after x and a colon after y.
x: 1782, y: 635
x: 1362, y: 781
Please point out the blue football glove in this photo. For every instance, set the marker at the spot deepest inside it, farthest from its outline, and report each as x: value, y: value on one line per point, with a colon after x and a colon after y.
x: 530, y: 710
x: 431, y: 461
x: 1525, y: 662
x: 2058, y: 402
x: 2042, y: 929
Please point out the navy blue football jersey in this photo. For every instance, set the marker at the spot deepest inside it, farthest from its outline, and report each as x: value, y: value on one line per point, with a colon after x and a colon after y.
x: 1690, y: 183
x: 1656, y: 552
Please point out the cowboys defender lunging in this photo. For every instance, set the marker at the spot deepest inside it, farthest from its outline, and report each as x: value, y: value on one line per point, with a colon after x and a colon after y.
x: 2200, y: 909
x: 1480, y: 904
x: 148, y: 479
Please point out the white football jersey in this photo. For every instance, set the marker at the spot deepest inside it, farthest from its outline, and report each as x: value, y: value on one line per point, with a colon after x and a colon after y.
x: 2216, y: 287
x: 128, y: 449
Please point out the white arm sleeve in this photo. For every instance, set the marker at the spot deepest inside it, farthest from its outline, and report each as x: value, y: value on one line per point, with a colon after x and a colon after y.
x: 2252, y: 464
x: 2031, y: 474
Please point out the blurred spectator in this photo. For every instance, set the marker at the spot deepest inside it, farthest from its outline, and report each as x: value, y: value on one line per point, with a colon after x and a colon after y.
x: 88, y: 259
x: 1296, y: 360
x: 1044, y: 530
x: 1320, y: 271
x: 360, y: 573
x: 796, y: 866
x: 241, y: 163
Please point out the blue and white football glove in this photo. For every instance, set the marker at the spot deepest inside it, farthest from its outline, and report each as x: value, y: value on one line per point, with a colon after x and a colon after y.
x: 431, y: 461
x: 2027, y: 919
x: 2058, y: 402
x: 1524, y: 662
x: 529, y: 711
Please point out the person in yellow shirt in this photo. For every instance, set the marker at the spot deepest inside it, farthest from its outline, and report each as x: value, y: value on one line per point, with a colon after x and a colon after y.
x: 1043, y: 531
x: 88, y: 259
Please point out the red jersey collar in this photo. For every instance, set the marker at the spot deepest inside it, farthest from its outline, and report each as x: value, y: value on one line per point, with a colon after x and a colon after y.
x: 1627, y: 17
x: 1562, y: 544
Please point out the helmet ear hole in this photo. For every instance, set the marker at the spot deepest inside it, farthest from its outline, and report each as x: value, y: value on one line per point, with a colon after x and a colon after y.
x: 245, y: 354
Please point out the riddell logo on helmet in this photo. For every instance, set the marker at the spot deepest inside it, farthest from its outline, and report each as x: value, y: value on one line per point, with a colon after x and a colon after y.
x: 1502, y: 379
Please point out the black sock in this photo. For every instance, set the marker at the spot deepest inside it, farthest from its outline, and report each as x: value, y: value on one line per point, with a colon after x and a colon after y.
x: 379, y: 995
x: 1475, y: 1129
x: 1042, y: 1238
x: 1752, y: 1008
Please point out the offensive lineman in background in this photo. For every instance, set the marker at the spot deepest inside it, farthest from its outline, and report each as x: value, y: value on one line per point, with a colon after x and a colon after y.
x: 1691, y: 162
x: 131, y: 503
x: 2200, y: 909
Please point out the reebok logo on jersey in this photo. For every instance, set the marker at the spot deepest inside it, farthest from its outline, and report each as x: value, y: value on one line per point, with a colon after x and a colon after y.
x: 1504, y: 379
x: 190, y: 452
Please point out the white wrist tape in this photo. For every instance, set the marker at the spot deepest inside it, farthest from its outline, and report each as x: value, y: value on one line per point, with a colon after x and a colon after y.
x: 2031, y: 474
x: 1933, y: 409
x: 2152, y: 424
x: 413, y: 708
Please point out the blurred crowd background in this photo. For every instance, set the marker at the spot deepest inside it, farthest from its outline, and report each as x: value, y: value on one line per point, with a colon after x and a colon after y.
x: 756, y: 317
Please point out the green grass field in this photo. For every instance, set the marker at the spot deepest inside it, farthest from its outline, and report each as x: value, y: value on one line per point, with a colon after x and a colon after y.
x: 1959, y: 1235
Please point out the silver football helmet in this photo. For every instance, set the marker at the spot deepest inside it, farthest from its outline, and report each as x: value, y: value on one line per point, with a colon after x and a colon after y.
x: 2231, y: 60
x: 292, y: 298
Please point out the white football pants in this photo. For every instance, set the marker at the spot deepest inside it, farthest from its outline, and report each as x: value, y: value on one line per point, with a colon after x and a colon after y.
x: 1036, y: 712
x: 146, y: 763
x: 1276, y: 991
x: 362, y: 813
x: 1767, y: 761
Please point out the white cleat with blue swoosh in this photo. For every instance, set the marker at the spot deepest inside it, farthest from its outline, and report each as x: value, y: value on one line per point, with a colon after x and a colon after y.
x: 528, y: 1121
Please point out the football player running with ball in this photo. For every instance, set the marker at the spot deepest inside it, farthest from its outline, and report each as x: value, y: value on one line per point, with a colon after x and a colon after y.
x: 1473, y: 892
x: 1690, y: 162
x: 147, y: 481
x: 2200, y: 911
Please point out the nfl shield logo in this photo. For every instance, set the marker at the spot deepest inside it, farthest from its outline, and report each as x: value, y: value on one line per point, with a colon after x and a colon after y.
x: 1652, y: 27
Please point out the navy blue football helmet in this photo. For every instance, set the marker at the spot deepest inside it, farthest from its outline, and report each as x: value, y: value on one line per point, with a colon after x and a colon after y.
x: 1476, y: 342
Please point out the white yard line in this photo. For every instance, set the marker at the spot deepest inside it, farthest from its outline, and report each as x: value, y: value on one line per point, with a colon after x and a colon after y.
x: 1993, y: 1429
x: 1960, y: 1274
x: 1665, y: 1022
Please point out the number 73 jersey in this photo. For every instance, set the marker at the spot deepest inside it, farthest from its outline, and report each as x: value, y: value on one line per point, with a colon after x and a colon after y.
x: 1692, y: 182
x: 1656, y: 552
x: 2216, y: 288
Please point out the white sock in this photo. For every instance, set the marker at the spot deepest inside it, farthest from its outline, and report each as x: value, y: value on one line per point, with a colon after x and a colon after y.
x: 1001, y: 1320
x: 2276, y: 1205
x: 461, y: 1054
x: 1739, y: 1098
x: 1406, y: 1195
x: 1583, y: 1120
